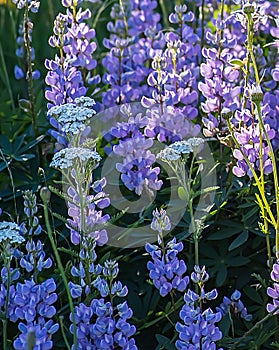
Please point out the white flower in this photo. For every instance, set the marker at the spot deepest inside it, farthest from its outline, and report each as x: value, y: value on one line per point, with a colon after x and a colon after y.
x: 73, y: 118
x: 168, y: 154
x: 10, y: 233
x: 182, y: 147
x: 195, y: 141
x: 65, y: 158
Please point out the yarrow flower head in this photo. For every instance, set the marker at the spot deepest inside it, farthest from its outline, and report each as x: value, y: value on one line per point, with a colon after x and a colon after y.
x: 168, y: 154
x: 67, y: 157
x: 10, y: 233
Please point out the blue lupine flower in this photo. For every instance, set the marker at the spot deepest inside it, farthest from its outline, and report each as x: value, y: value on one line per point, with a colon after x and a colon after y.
x: 166, y: 270
x: 198, y: 328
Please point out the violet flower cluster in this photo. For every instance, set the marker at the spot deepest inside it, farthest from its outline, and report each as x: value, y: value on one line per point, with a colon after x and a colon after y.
x: 34, y: 260
x: 75, y: 41
x: 165, y: 270
x: 248, y: 136
x: 197, y: 328
x: 136, y: 161
x: 173, y: 82
x: 219, y: 86
x: 133, y: 37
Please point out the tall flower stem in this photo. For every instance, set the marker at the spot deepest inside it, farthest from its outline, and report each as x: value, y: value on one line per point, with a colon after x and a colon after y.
x: 27, y: 43
x: 60, y: 268
x: 263, y: 130
x: 5, y: 318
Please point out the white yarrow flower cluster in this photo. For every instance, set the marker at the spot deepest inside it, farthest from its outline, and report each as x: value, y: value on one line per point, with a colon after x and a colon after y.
x: 168, y: 154
x: 182, y: 147
x: 66, y: 157
x: 73, y: 118
x: 178, y: 148
x: 10, y: 233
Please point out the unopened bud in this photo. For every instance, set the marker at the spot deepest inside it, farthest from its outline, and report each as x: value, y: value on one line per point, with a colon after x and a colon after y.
x: 45, y: 194
x: 256, y: 93
x: 248, y: 8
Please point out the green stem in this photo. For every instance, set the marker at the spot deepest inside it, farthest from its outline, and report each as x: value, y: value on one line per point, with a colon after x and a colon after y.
x: 61, y: 269
x: 262, y: 193
x: 165, y: 13
x: 263, y: 129
x: 28, y: 48
x: 63, y: 333
x: 251, y: 330
x: 5, y: 319
x: 275, y: 176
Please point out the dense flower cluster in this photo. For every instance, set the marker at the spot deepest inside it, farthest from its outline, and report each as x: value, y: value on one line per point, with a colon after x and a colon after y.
x: 101, y: 324
x: 75, y: 41
x: 248, y: 136
x: 198, y: 329
x: 85, y: 211
x: 33, y: 304
x: 70, y: 121
x: 133, y: 37
x: 10, y: 234
x: 166, y: 270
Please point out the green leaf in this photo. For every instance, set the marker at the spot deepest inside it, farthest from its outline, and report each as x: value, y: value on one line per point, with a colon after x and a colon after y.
x: 32, y: 144
x: 236, y: 62
x: 164, y: 342
x: 5, y: 144
x: 24, y: 104
x: 221, y: 276
x: 238, y: 241
x: 182, y: 194
x: 23, y: 157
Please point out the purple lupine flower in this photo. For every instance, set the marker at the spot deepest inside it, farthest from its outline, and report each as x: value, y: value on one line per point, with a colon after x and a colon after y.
x: 132, y: 40
x: 170, y: 126
x: 100, y: 327
x: 219, y: 87
x: 34, y: 301
x: 33, y: 5
x: 87, y: 270
x: 248, y: 136
x: 166, y: 270
x: 94, y: 219
x: 30, y: 210
x: 235, y: 306
x: 75, y: 40
x: 274, y: 292
x: 198, y: 328
x: 160, y: 222
x: 136, y: 168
